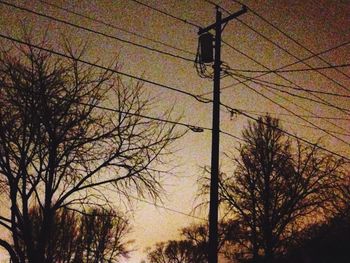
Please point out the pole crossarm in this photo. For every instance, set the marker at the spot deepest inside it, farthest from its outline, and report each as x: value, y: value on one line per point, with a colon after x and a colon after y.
x: 224, y: 20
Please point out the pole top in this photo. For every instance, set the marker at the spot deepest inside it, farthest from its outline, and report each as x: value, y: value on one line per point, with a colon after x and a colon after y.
x: 225, y: 20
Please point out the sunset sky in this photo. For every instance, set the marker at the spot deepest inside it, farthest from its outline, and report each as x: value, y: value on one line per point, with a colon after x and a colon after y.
x: 317, y: 25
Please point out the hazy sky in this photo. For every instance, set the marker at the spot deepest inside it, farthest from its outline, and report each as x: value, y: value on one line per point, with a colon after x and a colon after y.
x: 316, y: 24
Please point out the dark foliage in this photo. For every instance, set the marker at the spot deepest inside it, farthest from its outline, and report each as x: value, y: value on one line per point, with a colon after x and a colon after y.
x: 322, y: 243
x: 192, y: 247
x: 97, y: 235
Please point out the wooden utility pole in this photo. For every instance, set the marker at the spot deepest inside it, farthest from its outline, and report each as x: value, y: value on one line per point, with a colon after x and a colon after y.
x: 214, y: 180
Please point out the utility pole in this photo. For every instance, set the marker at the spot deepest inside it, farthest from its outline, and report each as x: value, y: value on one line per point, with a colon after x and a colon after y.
x: 214, y: 180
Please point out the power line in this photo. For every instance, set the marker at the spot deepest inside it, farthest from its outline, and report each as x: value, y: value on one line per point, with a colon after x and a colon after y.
x: 153, y: 83
x: 281, y: 76
x: 265, y: 84
x: 296, y: 115
x: 116, y: 27
x: 202, y: 100
x: 253, y: 79
x: 285, y: 108
x: 299, y: 60
x: 306, y: 110
x: 167, y: 14
x: 289, y: 53
x: 298, y: 124
x: 278, y: 103
x: 233, y: 136
x: 285, y: 132
x: 291, y: 38
x: 311, y: 127
x: 287, y: 65
x: 167, y: 208
x: 262, y: 65
x: 189, y: 126
x: 292, y: 70
x: 269, y: 71
x: 285, y: 50
x: 194, y: 128
x: 289, y: 115
x: 98, y: 32
x: 304, y: 89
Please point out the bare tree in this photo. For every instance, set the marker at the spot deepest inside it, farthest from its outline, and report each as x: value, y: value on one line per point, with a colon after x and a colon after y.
x: 58, y: 148
x: 341, y: 199
x: 275, y: 188
x: 192, y: 247
x: 174, y: 251
x: 97, y: 235
x: 102, y: 237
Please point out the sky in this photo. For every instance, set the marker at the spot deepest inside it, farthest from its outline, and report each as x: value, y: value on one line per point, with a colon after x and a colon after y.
x: 317, y: 25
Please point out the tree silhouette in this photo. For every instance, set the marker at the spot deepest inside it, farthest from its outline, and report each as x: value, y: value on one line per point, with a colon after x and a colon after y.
x: 102, y: 236
x: 59, y: 149
x: 192, y: 247
x: 328, y: 242
x: 275, y: 187
x: 97, y: 235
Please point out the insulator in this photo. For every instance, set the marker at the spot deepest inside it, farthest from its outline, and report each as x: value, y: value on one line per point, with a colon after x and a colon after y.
x: 206, y: 46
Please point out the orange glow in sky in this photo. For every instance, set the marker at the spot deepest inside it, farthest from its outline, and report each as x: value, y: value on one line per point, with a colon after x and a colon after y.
x: 317, y: 24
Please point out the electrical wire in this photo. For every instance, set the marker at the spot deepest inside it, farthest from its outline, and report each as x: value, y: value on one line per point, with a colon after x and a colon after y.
x: 292, y: 102
x: 344, y: 110
x: 299, y: 124
x: 231, y: 109
x: 293, y: 112
x: 279, y: 68
x: 292, y: 70
x: 198, y: 98
x: 115, y: 27
x: 315, y: 126
x: 305, y: 109
x: 262, y: 65
x: 290, y: 37
x: 301, y: 107
x: 314, y: 116
x: 256, y: 61
x: 299, y: 60
x: 97, y: 32
x: 253, y: 79
x: 289, y: 53
x: 189, y: 126
x: 290, y: 115
x: 167, y: 14
x: 161, y: 85
x: 296, y: 115
x: 167, y: 208
x: 215, y: 4
x: 286, y: 79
